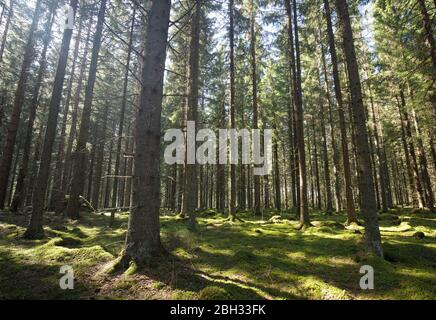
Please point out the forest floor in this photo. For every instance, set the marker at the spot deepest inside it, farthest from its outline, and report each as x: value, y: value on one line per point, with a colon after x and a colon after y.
x: 257, y: 259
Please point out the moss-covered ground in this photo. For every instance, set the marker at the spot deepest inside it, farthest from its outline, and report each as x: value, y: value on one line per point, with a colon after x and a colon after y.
x: 258, y: 259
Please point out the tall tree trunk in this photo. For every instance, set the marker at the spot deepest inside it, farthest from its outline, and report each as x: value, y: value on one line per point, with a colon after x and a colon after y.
x: 108, y: 184
x: 232, y: 202
x: 336, y: 160
x: 379, y: 150
x: 58, y: 197
x: 121, y: 123
x: 317, y: 180
x: 428, y: 190
x: 78, y: 178
x: 66, y: 170
x: 298, y: 105
x: 325, y: 156
x: 35, y: 229
x: 8, y: 149
x: 413, y: 158
x: 189, y: 204
x: 351, y: 213
x: 412, y: 187
x: 256, y: 178
x: 6, y: 30
x: 24, y: 166
x: 366, y: 185
x: 100, y: 155
x: 277, y: 197
x: 143, y: 234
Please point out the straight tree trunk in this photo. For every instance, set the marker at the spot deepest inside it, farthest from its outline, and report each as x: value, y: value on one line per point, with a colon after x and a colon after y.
x: 6, y: 30
x: 121, y: 123
x: 232, y: 202
x: 428, y: 190
x: 298, y: 105
x: 413, y: 158
x: 143, y: 234
x: 351, y: 212
x: 336, y: 160
x: 277, y: 197
x: 66, y: 170
x: 382, y: 165
x: 366, y: 185
x: 413, y: 191
x: 99, y: 162
x: 108, y: 184
x: 24, y: 166
x: 325, y: 156
x: 78, y: 178
x: 58, y: 197
x: 317, y: 179
x: 35, y: 229
x: 8, y: 149
x: 189, y: 202
x: 256, y: 178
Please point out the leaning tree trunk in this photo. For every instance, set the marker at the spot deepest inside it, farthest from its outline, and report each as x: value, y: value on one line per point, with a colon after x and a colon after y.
x: 143, y: 234
x: 11, y: 136
x: 35, y: 230
x: 78, y: 177
x: 366, y: 185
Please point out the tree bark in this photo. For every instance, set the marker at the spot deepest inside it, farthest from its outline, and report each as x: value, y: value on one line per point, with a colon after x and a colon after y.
x: 351, y: 213
x: 8, y: 149
x: 143, y: 234
x: 58, y: 197
x: 66, y: 170
x: 256, y: 179
x: 99, y: 162
x: 24, y: 166
x: 190, y: 191
x: 366, y: 185
x: 35, y: 229
x: 121, y: 123
x: 298, y: 105
x: 78, y: 177
x: 6, y: 30
x: 414, y: 162
x: 232, y: 202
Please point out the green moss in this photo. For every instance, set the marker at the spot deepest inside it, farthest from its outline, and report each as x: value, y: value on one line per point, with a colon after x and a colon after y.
x: 213, y: 293
x: 252, y: 260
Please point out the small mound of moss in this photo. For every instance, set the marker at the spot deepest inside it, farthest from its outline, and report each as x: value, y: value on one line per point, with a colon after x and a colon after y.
x: 68, y: 242
x: 332, y: 225
x: 214, y: 293
x: 419, y: 235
